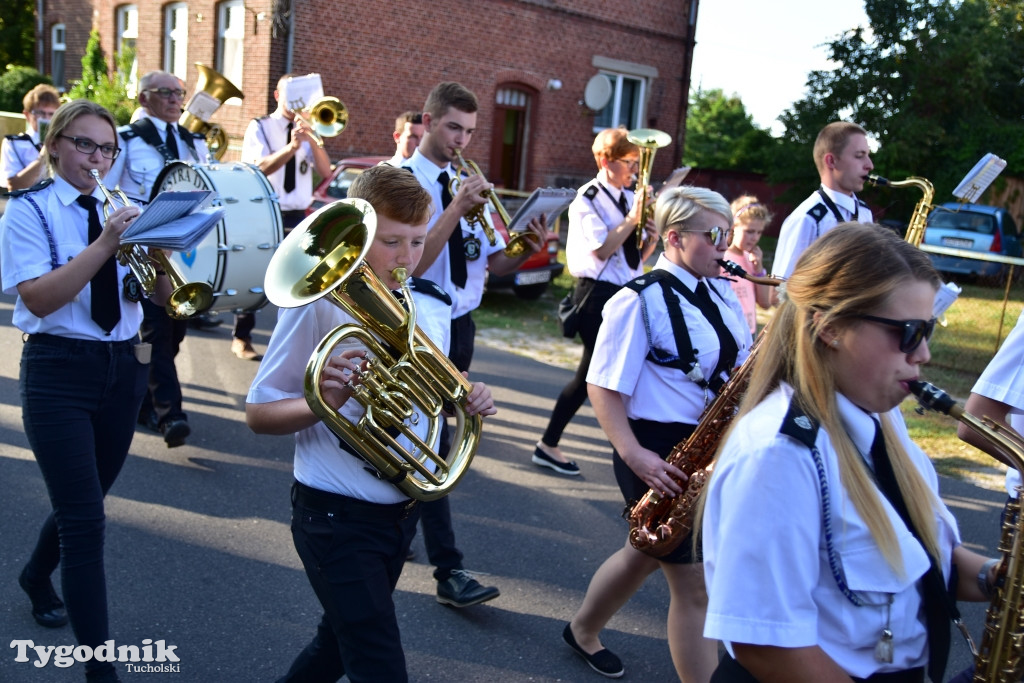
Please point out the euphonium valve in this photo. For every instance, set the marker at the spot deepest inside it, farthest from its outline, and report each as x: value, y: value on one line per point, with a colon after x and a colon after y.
x: 406, y: 381
x: 649, y: 141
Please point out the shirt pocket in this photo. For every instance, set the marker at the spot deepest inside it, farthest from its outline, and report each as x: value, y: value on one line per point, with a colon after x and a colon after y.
x: 143, y: 166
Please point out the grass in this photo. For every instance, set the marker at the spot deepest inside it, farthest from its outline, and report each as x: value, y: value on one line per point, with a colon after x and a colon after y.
x: 960, y: 352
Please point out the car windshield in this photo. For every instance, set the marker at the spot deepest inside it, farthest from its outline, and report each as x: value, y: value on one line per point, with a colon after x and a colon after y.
x: 964, y: 220
x: 338, y: 188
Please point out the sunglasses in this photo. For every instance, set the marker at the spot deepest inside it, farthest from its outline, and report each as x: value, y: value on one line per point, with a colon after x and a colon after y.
x: 167, y: 92
x: 87, y: 146
x: 913, y: 332
x: 717, y: 235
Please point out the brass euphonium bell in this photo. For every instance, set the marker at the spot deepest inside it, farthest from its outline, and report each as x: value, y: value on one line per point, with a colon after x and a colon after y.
x: 211, y: 84
x: 406, y: 379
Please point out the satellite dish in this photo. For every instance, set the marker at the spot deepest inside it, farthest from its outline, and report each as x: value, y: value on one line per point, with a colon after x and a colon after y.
x: 597, y: 93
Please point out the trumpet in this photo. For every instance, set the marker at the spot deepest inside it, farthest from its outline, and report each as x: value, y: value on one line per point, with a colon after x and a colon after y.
x: 649, y: 141
x: 187, y: 298
x: 327, y: 117
x: 481, y: 215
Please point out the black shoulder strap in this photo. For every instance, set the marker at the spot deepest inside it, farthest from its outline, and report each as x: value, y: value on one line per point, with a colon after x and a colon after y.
x: 817, y: 212
x: 189, y: 138
x: 798, y: 425
x: 24, y: 137
x: 430, y: 288
x: 689, y: 366
x: 590, y: 192
x: 45, y: 182
x: 146, y: 129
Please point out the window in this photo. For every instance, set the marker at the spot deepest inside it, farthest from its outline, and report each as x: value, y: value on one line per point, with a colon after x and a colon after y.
x: 176, y: 39
x: 127, y: 35
x: 626, y: 107
x: 230, y: 40
x: 58, y: 50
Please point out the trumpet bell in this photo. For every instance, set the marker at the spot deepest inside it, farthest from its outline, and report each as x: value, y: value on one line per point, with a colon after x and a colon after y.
x: 329, y: 116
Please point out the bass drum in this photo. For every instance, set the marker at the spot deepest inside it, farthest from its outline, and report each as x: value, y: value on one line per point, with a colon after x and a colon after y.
x: 234, y: 257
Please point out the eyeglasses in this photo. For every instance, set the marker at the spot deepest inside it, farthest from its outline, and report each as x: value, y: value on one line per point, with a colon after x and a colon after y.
x: 40, y: 114
x: 167, y: 92
x: 913, y: 331
x: 629, y: 163
x: 87, y: 146
x: 717, y: 235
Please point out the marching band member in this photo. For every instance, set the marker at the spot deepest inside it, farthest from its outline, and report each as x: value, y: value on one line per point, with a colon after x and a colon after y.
x: 601, y: 252
x: 843, y: 159
x: 83, y: 373
x: 826, y: 546
x: 341, y: 510
x: 22, y: 159
x: 661, y: 354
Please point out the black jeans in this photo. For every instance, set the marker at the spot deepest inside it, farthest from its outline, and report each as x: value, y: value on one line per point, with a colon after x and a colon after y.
x: 80, y: 400
x: 163, y: 398
x: 353, y: 552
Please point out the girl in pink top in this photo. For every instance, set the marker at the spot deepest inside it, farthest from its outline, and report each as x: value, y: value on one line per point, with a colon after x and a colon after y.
x: 750, y: 218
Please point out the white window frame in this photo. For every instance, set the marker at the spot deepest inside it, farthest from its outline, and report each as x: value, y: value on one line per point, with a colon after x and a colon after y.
x: 231, y: 42
x: 58, y: 55
x: 176, y: 39
x: 618, y: 72
x: 128, y: 32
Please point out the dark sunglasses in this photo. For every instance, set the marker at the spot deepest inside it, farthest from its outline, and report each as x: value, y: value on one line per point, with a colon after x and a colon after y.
x: 913, y: 331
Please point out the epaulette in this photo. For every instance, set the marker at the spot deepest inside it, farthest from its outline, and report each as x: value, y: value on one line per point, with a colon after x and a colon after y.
x: 196, y: 136
x: 431, y: 288
x: 262, y: 118
x: 44, y: 183
x: 127, y: 132
x: 19, y: 136
x: 862, y: 203
x: 817, y: 212
x: 642, y: 282
x: 798, y: 425
x: 590, y: 192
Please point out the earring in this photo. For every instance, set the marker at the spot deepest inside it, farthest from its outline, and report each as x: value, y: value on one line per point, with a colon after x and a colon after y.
x: 834, y: 342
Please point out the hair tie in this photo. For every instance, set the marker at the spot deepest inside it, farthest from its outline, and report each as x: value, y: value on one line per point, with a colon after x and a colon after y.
x: 746, y: 208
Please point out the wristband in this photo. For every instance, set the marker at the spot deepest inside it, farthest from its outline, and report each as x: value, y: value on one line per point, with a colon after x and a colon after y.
x: 986, y: 587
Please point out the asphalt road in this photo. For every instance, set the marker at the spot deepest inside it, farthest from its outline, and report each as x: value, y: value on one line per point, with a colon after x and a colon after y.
x: 199, y: 554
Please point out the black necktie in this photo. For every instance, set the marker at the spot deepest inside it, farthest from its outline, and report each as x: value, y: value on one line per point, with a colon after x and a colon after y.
x: 933, y: 587
x: 172, y: 144
x: 456, y: 252
x: 289, y: 167
x: 106, y: 302
x: 629, y: 247
x: 728, y: 350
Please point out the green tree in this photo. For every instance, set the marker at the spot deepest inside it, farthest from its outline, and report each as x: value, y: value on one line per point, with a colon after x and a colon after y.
x: 15, y: 82
x: 97, y: 85
x: 17, y: 33
x: 721, y: 134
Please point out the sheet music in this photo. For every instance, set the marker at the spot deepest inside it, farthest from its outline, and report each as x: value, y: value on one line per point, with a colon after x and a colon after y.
x: 547, y: 201
x: 979, y: 178
x: 676, y: 178
x: 175, y: 221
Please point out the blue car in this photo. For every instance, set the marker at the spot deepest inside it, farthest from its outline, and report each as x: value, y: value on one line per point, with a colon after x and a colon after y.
x: 972, y: 227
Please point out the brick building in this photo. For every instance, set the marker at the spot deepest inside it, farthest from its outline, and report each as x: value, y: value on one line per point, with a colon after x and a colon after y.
x: 528, y: 61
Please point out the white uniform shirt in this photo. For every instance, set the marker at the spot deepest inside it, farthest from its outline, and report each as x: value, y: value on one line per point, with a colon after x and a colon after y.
x: 803, y: 226
x: 319, y: 462
x: 765, y: 561
x: 1003, y: 380
x: 395, y: 161
x: 25, y: 254
x: 267, y: 135
x: 464, y: 299
x: 590, y: 220
x: 137, y: 166
x: 650, y: 391
x: 16, y: 154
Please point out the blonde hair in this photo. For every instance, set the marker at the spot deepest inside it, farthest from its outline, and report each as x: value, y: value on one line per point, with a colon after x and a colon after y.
x: 853, y: 269
x: 748, y: 208
x: 65, y: 116
x: 611, y: 144
x: 677, y: 205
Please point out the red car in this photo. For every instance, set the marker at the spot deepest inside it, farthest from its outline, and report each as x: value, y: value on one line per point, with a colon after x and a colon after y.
x: 529, y: 281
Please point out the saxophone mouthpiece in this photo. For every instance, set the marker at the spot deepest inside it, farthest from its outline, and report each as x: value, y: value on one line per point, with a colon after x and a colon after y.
x: 877, y: 180
x: 932, y: 398
x: 732, y: 268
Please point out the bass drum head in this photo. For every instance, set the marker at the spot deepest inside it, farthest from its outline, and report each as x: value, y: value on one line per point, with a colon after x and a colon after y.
x: 233, y: 258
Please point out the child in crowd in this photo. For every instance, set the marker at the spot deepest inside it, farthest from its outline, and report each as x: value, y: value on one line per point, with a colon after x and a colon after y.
x: 750, y: 218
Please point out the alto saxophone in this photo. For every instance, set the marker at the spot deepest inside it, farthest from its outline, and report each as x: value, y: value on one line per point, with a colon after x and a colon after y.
x: 919, y: 219
x: 657, y: 525
x: 1000, y: 657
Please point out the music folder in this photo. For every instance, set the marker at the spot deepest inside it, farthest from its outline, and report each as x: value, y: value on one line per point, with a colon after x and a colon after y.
x: 548, y: 201
x: 175, y: 221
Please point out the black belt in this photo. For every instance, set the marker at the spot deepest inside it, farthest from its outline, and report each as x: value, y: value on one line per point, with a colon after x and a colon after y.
x: 294, y: 213
x: 343, y: 506
x: 80, y: 344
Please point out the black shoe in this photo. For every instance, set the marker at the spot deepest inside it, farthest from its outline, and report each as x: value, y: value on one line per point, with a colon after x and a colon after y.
x: 47, y: 609
x: 604, y: 661
x: 544, y: 460
x: 175, y: 432
x: 149, y: 421
x: 462, y: 590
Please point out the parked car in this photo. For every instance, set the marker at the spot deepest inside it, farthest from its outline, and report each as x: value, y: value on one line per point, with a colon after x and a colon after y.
x: 972, y: 227
x: 529, y: 281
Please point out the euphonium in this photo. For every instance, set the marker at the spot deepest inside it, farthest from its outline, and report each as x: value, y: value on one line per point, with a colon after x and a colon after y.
x: 919, y: 219
x: 481, y: 215
x: 406, y: 378
x: 657, y: 525
x: 212, y: 90
x: 1000, y: 658
x: 187, y: 298
x: 649, y: 141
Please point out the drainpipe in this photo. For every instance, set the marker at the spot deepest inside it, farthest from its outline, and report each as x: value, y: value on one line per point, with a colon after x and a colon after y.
x: 290, y: 49
x: 39, y: 36
x: 684, y: 104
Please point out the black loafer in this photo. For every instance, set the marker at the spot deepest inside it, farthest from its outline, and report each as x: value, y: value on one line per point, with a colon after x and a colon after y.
x: 604, y: 661
x: 544, y: 460
x: 47, y: 609
x: 175, y: 432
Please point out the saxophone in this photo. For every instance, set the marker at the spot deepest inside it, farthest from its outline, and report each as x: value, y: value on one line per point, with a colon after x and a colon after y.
x: 919, y: 219
x: 1000, y: 657
x: 657, y: 525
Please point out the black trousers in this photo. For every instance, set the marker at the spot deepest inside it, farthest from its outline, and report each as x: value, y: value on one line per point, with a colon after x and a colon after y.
x: 80, y: 400
x: 731, y: 671
x: 163, y: 397
x: 436, y: 515
x: 353, y: 552
x: 575, y: 392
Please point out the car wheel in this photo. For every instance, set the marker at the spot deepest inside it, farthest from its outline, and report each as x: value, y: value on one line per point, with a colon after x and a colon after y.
x: 531, y: 292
